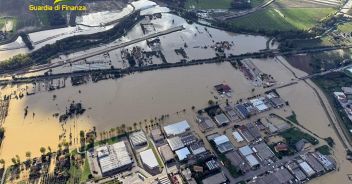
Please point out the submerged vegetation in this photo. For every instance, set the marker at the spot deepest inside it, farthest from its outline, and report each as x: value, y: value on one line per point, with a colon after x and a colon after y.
x: 69, y: 45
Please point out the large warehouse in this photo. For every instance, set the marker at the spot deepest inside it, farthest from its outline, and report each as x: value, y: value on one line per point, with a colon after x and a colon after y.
x: 113, y: 158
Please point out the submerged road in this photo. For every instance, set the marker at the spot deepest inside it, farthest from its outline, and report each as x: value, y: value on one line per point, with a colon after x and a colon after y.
x: 102, y: 51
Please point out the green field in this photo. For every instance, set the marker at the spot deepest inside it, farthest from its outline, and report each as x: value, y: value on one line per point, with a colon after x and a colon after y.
x: 216, y: 4
x: 346, y: 27
x: 286, y: 19
x: 209, y: 4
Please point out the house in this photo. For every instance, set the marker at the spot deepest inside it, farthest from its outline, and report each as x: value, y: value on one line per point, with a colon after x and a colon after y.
x: 263, y: 152
x: 221, y: 119
x: 205, y: 123
x: 259, y: 104
x: 253, y: 130
x: 296, y: 171
x: 237, y: 136
x: 223, y: 144
x: 281, y: 147
x: 302, y: 144
x: 306, y: 168
x: 242, y: 111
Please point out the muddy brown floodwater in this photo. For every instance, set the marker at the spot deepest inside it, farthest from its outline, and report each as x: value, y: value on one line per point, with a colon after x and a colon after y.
x: 113, y: 102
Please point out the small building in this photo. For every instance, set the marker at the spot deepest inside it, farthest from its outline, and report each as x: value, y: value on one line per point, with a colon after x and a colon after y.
x: 306, y: 169
x: 182, y: 154
x: 175, y: 143
x: 237, y: 136
x: 223, y: 144
x: 138, y: 138
x: 253, y: 130
x: 221, y: 119
x: 231, y: 113
x: 277, y: 102
x: 113, y: 158
x: 259, y: 104
x: 327, y: 162
x: 188, y: 139
x: 347, y: 90
x: 242, y: 111
x: 281, y: 147
x: 314, y: 163
x: 263, y: 152
x: 156, y: 135
x: 205, y: 123
x: 166, y: 153
x: 149, y: 160
x: 215, y: 179
x: 212, y: 165
x: 238, y: 161
x: 341, y: 97
x: 252, y: 161
x: 245, y: 150
x: 296, y: 171
x: 243, y: 130
x: 176, y: 128
x: 222, y: 88
x: 301, y: 145
x: 197, y: 148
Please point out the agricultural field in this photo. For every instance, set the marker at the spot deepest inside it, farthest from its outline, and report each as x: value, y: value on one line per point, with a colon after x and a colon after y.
x: 287, y: 15
x: 216, y: 4
x: 346, y: 27
x: 285, y: 19
x: 209, y: 4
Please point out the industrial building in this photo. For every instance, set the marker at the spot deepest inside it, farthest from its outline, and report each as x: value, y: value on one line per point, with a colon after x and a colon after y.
x: 156, y: 135
x: 138, y: 138
x: 223, y: 144
x: 166, y: 153
x: 182, y: 154
x: 176, y: 128
x: 197, y: 148
x: 149, y: 160
x: 175, y: 143
x: 113, y: 158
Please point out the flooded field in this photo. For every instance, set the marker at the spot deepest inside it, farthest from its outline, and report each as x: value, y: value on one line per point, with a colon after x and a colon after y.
x: 111, y: 103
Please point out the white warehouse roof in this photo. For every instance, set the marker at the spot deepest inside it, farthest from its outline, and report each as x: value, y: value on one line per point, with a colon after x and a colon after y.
x: 245, y: 150
x: 149, y: 159
x: 221, y: 139
x: 237, y: 136
x: 138, y: 138
x: 113, y: 156
x: 176, y: 128
x: 182, y: 153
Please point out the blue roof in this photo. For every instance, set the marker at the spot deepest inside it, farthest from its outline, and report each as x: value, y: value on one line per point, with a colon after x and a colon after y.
x: 242, y: 109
